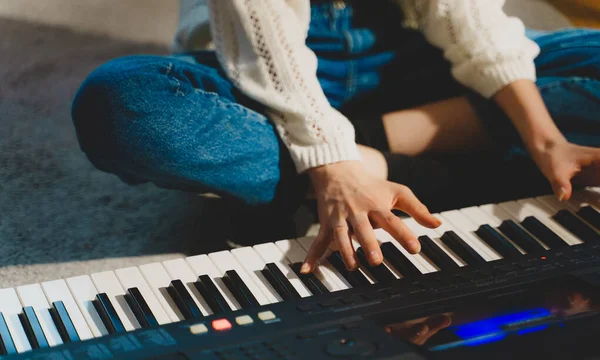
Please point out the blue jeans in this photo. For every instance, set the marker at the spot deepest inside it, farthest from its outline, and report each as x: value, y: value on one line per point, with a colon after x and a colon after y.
x: 177, y: 121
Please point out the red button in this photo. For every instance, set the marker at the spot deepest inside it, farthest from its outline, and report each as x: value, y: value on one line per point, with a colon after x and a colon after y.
x: 221, y: 324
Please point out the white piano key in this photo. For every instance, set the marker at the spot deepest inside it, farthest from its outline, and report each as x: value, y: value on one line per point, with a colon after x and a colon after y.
x: 253, y: 264
x: 178, y: 269
x: 225, y: 261
x: 57, y: 290
x: 363, y: 269
x: 295, y: 253
x: 420, y: 230
x: 433, y: 235
x: 479, y: 217
x: 33, y: 295
x: 201, y: 265
x: 84, y: 292
x: 132, y: 278
x: 106, y: 282
x: 418, y: 261
x: 159, y: 280
x: 270, y: 253
x: 325, y: 265
x: 467, y: 229
x: 11, y: 307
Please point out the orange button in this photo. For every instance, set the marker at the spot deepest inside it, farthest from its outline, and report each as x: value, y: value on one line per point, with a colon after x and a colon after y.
x: 221, y: 324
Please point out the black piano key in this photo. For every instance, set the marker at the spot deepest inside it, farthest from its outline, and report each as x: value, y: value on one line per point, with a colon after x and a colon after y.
x: 63, y: 322
x: 7, y: 345
x: 380, y: 272
x: 520, y: 237
x: 462, y: 249
x: 239, y: 290
x: 399, y: 261
x: 140, y: 308
x: 184, y: 301
x: 212, y: 295
x: 33, y: 328
x: 498, y: 242
x: 542, y: 232
x: 280, y: 282
x: 354, y: 278
x: 576, y: 226
x: 108, y: 314
x: 436, y: 254
x: 310, y: 280
x: 590, y: 215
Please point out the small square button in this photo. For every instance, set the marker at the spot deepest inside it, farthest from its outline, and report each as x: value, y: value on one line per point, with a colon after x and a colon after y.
x: 244, y: 320
x: 266, y: 315
x: 197, y: 329
x: 221, y: 324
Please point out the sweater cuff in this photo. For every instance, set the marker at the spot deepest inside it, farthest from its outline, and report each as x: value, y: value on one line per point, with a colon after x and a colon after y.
x: 323, y: 154
x: 498, y: 76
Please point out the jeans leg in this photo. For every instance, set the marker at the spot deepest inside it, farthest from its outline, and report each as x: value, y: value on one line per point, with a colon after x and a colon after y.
x: 180, y: 125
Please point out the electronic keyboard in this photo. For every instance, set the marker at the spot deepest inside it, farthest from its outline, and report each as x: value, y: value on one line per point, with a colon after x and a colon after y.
x: 515, y: 280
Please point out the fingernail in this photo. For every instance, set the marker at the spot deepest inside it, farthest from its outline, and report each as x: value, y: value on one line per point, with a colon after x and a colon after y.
x: 561, y: 193
x: 414, y: 246
x: 352, y: 266
x: 375, y: 257
x: 305, y: 268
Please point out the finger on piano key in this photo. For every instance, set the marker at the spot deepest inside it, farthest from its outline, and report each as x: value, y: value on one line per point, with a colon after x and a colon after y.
x: 209, y: 291
x: 178, y: 269
x: 106, y: 282
x: 108, y: 314
x: 487, y: 232
x: 464, y: 228
x: 310, y: 280
x: 7, y: 344
x: 362, y: 268
x: 244, y: 296
x: 355, y: 278
x: 84, y: 292
x: 419, y: 230
x: 462, y: 248
x: 399, y: 261
x: 225, y: 261
x: 416, y: 259
x: 131, y: 277
x: 33, y: 296
x: 326, y: 267
x: 33, y: 328
x: 295, y: 253
x: 63, y: 322
x: 280, y: 282
x: 159, y: 281
x: 140, y: 308
x: 564, y: 216
x: 252, y: 265
x: 270, y: 253
x: 57, y: 290
x: 186, y: 304
x: 202, y: 265
x: 436, y: 254
x: 381, y: 273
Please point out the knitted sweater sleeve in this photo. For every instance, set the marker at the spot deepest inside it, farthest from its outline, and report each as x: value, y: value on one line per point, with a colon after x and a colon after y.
x: 262, y: 47
x: 487, y: 49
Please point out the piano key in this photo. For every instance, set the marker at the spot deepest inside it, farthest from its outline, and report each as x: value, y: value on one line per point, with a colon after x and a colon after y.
x: 363, y: 269
x: 63, y: 322
x: 84, y: 292
x: 211, y: 294
x: 140, y: 308
x: 178, y: 269
x: 399, y: 261
x: 33, y: 328
x: 270, y: 253
x: 244, y: 296
x: 10, y: 307
x: 564, y: 216
x: 225, y: 261
x: 590, y: 215
x: 521, y: 237
x: 252, y: 265
x: 497, y: 241
x: 33, y: 296
x: 108, y: 314
x: 186, y: 304
x: 130, y: 278
x: 416, y: 259
x: 57, y: 290
x: 279, y: 282
x: 355, y: 278
x: 310, y: 280
x: 541, y: 231
x: 437, y: 255
x: 464, y: 250
x: 106, y: 282
x: 380, y: 272
x: 159, y: 281
x: 465, y: 229
x: 202, y: 265
x: 420, y: 230
x: 325, y: 265
x: 7, y: 345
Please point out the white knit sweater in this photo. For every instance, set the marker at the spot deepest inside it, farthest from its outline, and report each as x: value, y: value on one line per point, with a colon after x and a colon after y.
x: 261, y: 46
